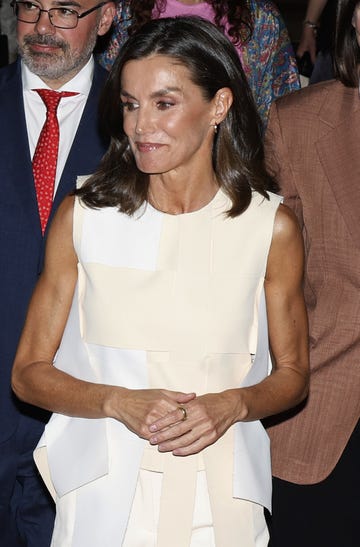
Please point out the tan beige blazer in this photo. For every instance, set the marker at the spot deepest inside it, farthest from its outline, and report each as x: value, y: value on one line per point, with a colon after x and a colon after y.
x: 313, y: 146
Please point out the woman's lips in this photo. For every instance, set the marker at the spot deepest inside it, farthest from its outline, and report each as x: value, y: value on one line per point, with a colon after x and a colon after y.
x: 148, y: 146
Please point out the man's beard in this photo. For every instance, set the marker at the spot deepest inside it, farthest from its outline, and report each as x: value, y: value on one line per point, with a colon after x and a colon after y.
x: 63, y: 62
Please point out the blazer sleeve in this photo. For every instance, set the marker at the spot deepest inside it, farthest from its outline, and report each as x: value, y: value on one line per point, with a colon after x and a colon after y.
x: 278, y: 160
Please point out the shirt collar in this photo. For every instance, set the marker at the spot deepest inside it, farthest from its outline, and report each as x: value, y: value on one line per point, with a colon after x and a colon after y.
x: 80, y: 83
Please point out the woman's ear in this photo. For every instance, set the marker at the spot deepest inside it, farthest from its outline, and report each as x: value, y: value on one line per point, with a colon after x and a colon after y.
x: 222, y: 103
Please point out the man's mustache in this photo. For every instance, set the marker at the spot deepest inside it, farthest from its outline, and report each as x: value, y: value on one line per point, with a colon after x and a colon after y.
x: 44, y: 40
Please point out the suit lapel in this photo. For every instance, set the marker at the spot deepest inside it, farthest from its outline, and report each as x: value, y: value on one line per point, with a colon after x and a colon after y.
x: 339, y: 153
x: 15, y: 147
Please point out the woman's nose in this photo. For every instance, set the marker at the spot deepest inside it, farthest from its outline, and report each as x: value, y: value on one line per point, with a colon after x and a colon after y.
x: 144, y: 122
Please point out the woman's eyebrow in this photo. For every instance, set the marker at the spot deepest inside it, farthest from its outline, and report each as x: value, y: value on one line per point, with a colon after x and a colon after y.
x: 155, y: 94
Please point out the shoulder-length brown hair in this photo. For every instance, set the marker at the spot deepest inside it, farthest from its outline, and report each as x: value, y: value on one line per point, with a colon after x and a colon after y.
x: 213, y: 63
x: 347, y: 50
x: 236, y: 12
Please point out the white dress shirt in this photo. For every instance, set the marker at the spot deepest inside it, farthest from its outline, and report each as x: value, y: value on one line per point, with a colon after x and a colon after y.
x: 69, y: 111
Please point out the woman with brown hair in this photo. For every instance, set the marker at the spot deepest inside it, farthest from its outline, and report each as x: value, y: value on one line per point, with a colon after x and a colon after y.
x: 161, y: 276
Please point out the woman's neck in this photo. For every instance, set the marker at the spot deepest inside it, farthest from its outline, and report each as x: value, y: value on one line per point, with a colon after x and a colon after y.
x: 177, y: 198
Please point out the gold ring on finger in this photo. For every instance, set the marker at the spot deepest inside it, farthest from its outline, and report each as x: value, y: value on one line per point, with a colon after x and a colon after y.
x: 184, y: 413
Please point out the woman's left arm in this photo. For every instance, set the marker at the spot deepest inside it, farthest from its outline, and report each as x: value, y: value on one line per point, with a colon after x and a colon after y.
x: 287, y: 385
x: 210, y: 415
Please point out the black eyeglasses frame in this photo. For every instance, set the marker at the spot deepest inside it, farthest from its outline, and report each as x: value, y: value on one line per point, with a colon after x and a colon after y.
x: 14, y: 4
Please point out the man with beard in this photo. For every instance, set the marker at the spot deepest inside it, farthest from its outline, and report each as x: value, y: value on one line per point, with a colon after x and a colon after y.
x: 55, y: 40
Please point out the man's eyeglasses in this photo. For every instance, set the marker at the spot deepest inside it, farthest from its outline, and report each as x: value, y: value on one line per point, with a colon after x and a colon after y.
x: 62, y: 17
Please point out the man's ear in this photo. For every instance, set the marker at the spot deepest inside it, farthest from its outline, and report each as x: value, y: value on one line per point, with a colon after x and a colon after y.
x: 222, y: 103
x: 107, y: 16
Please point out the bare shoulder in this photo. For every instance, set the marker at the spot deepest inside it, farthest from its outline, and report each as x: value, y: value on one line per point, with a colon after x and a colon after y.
x: 286, y: 253
x: 64, y: 214
x: 59, y: 245
x: 62, y: 223
x: 286, y: 226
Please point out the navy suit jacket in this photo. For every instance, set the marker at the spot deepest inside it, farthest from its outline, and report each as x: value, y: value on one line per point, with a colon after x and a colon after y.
x: 21, y: 241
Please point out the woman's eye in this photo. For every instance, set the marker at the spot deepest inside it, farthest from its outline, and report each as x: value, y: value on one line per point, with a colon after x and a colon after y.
x: 164, y: 105
x: 129, y: 106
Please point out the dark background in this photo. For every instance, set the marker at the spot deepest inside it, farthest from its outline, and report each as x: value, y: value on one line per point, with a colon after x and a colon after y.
x: 293, y: 12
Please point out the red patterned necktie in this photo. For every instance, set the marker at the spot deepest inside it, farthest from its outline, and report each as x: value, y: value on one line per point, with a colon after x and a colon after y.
x: 46, y: 153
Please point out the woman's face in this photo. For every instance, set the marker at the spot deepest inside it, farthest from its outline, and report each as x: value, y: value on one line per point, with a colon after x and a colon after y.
x: 168, y: 122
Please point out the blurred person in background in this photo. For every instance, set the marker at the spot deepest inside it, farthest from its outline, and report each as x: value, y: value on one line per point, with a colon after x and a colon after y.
x: 316, y: 44
x: 313, y: 148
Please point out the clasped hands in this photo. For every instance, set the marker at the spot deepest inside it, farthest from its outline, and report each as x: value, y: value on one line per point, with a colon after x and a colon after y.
x: 157, y: 415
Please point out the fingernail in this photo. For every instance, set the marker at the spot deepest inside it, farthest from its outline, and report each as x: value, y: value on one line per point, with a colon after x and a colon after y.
x: 153, y: 427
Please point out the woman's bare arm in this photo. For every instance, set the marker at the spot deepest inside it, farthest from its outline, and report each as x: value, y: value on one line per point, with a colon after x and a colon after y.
x: 287, y: 320
x: 35, y: 379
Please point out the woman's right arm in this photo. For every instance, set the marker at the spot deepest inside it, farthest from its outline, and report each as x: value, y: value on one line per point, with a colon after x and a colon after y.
x: 35, y: 379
